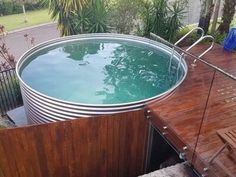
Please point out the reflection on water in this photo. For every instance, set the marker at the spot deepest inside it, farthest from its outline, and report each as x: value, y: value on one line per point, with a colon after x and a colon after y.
x: 101, y: 72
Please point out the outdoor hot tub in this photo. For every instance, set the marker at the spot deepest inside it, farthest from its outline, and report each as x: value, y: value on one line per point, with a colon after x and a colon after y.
x: 96, y: 74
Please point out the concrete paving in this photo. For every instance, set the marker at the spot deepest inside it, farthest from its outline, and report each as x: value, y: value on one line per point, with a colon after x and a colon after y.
x: 16, y: 41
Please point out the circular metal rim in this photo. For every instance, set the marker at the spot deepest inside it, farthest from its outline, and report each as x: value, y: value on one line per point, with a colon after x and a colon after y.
x: 123, y: 37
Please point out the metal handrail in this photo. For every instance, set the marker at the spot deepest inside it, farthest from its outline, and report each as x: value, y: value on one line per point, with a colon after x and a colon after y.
x: 194, y: 56
x: 208, y: 49
x: 203, y: 37
x: 180, y: 40
x: 190, y: 32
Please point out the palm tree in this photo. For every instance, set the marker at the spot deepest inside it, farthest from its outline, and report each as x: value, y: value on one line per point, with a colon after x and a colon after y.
x: 63, y: 11
x: 215, y: 15
x: 227, y: 16
x: 79, y: 16
x: 207, y: 8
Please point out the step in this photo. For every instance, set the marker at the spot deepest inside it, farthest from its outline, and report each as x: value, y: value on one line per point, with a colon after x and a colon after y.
x: 178, y: 170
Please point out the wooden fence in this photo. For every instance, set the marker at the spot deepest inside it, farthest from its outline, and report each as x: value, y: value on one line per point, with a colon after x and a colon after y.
x: 112, y: 146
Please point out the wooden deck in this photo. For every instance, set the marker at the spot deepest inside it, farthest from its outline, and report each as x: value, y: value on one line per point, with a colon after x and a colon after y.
x: 203, y: 104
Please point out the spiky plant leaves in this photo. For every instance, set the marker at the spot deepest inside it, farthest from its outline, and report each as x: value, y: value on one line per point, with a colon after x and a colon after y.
x: 63, y: 12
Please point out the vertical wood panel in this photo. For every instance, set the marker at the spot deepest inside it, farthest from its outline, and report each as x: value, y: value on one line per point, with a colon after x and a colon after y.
x: 112, y: 146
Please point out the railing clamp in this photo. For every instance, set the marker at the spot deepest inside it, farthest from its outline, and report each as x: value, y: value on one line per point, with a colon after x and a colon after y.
x: 148, y: 114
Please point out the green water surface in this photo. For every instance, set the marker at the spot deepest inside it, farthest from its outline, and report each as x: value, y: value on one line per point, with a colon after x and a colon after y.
x: 100, y: 71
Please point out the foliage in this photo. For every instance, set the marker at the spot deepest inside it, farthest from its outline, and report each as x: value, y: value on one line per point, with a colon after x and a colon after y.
x: 92, y: 19
x: 181, y: 32
x: 227, y: 16
x: 147, y: 18
x: 33, y: 6
x: 15, y: 7
x: 95, y: 16
x: 10, y: 93
x: 162, y: 17
x: 65, y: 12
x: 79, y: 16
x: 124, y: 14
x: 219, y: 38
x: 189, y: 40
x: 207, y: 7
x: 177, y: 11
x: 9, y: 59
x: 8, y: 7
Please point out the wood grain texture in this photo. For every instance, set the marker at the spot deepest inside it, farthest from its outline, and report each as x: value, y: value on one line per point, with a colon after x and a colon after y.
x: 184, y: 112
x: 112, y: 146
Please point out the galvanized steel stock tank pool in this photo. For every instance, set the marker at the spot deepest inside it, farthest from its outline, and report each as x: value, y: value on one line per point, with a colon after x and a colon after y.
x: 96, y: 74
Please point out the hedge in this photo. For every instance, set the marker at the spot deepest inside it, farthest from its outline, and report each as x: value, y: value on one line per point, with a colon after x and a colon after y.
x: 12, y: 7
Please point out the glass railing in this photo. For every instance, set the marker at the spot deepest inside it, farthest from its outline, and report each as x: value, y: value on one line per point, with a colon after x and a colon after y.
x: 219, y: 127
x: 193, y: 117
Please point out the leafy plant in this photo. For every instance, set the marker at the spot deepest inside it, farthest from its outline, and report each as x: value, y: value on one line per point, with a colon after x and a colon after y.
x: 219, y: 38
x: 79, y: 16
x: 93, y: 18
x: 9, y: 7
x: 124, y: 15
x: 147, y: 18
x: 177, y: 11
x: 189, y: 40
x: 9, y: 59
x: 162, y: 17
x: 227, y: 16
x: 15, y: 7
x: 207, y: 7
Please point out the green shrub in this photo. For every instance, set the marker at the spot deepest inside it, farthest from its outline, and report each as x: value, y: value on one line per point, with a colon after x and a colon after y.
x: 9, y: 7
x: 92, y: 18
x: 33, y: 6
x: 162, y: 17
x: 6, y: 8
x: 219, y: 38
x: 181, y: 32
x: 123, y: 14
x: 17, y: 8
x: 14, y: 7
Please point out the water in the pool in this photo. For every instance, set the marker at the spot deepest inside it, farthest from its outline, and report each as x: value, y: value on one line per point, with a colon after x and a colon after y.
x: 100, y: 72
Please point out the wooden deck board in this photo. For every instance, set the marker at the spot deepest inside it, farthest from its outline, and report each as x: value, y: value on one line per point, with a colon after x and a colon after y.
x: 184, y: 110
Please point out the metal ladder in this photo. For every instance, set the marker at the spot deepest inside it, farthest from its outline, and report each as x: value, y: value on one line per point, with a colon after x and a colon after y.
x: 194, y: 56
x: 175, y: 45
x: 202, y: 37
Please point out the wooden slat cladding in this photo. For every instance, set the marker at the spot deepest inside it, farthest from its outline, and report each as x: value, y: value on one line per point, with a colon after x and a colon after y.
x: 112, y: 146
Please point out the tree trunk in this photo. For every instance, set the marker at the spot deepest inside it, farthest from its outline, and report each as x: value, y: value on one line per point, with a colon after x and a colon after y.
x: 227, y: 16
x: 215, y: 15
x: 207, y: 7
